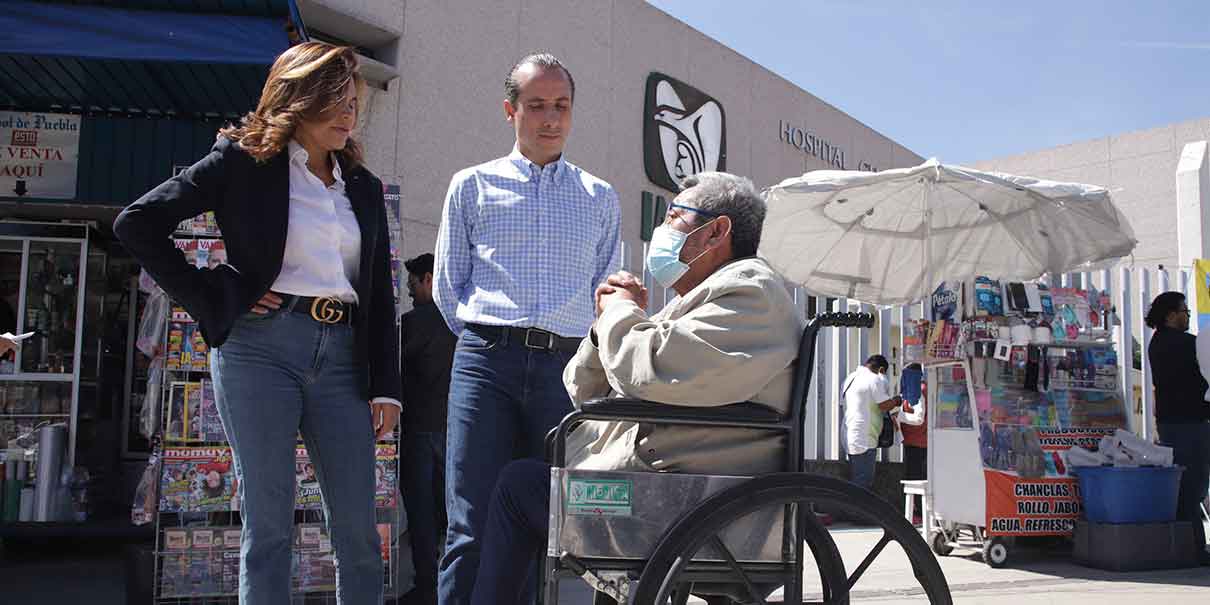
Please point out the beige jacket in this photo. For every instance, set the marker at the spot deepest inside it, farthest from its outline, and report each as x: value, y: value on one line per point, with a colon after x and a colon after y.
x: 733, y: 338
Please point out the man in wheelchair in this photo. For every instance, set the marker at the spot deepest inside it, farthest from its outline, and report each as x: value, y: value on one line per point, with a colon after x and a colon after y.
x: 730, y: 336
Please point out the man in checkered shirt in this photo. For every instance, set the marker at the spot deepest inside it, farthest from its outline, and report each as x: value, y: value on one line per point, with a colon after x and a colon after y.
x: 524, y: 241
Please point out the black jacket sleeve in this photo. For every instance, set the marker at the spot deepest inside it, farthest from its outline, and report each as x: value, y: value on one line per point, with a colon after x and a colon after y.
x: 146, y: 226
x: 383, y: 335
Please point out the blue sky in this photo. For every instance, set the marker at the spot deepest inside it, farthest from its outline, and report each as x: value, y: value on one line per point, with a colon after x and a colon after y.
x: 979, y: 79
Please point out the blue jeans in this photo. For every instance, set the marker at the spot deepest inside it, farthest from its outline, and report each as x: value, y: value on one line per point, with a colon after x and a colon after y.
x: 504, y: 397
x: 276, y: 375
x: 516, y: 531
x: 1190, y: 443
x: 861, y: 468
x: 422, y: 475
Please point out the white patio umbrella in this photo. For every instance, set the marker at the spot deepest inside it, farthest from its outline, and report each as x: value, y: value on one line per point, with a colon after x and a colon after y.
x: 888, y: 237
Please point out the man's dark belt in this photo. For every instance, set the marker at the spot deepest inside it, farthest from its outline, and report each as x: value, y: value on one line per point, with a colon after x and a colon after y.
x: 533, y: 338
x: 324, y: 309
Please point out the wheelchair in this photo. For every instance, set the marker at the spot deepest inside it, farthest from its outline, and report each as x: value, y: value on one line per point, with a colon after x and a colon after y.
x: 655, y: 538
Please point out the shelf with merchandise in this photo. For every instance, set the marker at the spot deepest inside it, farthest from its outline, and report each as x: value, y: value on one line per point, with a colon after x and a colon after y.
x: 196, y: 492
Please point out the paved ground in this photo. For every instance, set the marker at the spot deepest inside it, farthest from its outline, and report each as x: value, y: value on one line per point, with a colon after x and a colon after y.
x: 97, y: 575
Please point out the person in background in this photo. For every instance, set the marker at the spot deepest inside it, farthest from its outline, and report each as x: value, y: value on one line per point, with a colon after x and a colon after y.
x: 524, y: 240
x: 866, y: 396
x: 301, y: 321
x: 427, y: 349
x: 1182, y: 415
x: 912, y: 423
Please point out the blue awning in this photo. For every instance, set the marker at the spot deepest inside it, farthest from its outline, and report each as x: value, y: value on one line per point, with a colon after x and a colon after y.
x: 88, y: 58
x: 103, y: 32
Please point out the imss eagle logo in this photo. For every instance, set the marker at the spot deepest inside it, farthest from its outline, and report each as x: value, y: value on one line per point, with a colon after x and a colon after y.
x: 684, y: 132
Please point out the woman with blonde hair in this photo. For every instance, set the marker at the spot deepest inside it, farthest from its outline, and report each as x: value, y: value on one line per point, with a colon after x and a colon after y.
x: 301, y: 322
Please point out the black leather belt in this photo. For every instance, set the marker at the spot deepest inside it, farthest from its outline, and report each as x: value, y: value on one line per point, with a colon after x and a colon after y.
x: 324, y: 310
x: 533, y: 338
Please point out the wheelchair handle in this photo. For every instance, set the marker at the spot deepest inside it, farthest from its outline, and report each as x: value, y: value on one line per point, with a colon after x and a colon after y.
x: 844, y: 319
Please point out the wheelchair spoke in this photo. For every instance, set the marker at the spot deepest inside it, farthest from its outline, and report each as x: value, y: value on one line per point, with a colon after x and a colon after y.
x: 735, y: 567
x: 877, y: 550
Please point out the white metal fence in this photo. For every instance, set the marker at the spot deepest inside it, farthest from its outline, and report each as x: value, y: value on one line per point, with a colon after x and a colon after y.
x: 838, y: 352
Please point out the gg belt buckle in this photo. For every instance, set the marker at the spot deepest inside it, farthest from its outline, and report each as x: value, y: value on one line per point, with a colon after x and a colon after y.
x: 327, y: 310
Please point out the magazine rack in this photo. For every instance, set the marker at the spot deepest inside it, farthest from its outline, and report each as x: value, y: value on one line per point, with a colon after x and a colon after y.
x: 197, y: 523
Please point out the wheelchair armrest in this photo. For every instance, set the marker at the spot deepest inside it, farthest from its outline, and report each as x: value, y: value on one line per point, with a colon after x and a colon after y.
x: 737, y: 415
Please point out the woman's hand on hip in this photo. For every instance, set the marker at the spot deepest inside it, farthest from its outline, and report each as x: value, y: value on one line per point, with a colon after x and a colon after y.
x: 384, y: 416
x: 268, y: 303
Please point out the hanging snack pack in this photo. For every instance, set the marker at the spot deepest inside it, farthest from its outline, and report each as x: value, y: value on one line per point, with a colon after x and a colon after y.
x: 989, y: 300
x: 947, y: 301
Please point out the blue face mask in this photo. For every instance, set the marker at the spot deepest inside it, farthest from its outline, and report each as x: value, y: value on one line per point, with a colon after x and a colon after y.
x: 664, y: 251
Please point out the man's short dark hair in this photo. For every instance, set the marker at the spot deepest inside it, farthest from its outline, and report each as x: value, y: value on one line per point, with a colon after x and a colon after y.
x: 512, y: 88
x: 877, y: 363
x: 420, y: 265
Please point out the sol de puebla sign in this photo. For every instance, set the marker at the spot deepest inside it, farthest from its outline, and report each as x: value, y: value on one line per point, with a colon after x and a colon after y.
x: 38, y: 154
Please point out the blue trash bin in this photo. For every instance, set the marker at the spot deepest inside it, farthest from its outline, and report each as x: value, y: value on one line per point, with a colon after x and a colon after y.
x: 1142, y: 494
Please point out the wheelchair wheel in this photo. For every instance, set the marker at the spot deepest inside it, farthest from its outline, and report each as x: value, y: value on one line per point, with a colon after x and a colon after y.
x: 665, y: 575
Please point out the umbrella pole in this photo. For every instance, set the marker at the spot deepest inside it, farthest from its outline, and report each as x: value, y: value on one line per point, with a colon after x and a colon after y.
x: 927, y: 247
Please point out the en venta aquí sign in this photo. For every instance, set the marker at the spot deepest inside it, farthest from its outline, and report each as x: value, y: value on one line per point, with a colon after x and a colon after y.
x: 38, y: 154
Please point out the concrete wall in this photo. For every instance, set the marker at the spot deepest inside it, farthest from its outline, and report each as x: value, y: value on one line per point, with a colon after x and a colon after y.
x: 445, y: 111
x: 1138, y: 167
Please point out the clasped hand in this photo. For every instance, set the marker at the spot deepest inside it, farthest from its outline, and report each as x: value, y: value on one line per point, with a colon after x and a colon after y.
x: 619, y: 287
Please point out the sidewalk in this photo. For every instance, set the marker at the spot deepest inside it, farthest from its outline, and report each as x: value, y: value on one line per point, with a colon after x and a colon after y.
x: 1036, y: 576
x: 96, y: 575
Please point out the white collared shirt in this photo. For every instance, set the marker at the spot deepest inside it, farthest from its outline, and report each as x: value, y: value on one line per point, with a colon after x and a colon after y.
x: 323, y: 240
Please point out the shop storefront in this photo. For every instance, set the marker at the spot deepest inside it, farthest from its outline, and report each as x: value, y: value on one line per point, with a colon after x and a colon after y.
x: 92, y: 116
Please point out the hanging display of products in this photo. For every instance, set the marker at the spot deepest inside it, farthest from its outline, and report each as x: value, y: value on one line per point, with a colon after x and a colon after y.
x: 1042, y: 377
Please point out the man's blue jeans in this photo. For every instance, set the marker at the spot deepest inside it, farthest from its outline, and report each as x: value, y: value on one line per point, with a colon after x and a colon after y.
x: 861, y: 468
x: 504, y: 397
x: 276, y: 375
x: 516, y: 531
x: 422, y: 474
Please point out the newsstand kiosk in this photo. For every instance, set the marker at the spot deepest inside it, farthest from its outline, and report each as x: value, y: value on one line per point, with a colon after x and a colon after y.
x: 1015, y: 380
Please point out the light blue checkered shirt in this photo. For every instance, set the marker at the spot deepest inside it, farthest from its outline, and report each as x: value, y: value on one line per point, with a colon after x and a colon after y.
x: 525, y: 246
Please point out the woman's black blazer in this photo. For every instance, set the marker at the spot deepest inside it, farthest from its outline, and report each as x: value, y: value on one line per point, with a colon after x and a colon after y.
x: 251, y: 202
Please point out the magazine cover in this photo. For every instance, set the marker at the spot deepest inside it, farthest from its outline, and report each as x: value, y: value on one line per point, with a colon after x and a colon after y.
x: 306, y: 481
x: 386, y: 475
x: 176, y: 339
x: 211, y: 253
x: 385, y: 478
x: 174, y: 574
x: 198, y: 479
x: 384, y: 537
x: 211, y: 423
x: 314, y: 563
x: 174, y: 419
x: 193, y: 411
x: 176, y: 539
x: 205, y: 224
x: 188, y: 247
x: 187, y: 349
x: 183, y: 421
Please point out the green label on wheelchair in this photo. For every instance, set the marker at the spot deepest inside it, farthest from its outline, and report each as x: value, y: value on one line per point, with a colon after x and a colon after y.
x: 598, y: 497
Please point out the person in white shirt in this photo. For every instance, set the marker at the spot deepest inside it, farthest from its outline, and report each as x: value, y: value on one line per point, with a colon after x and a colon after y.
x: 867, y: 395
